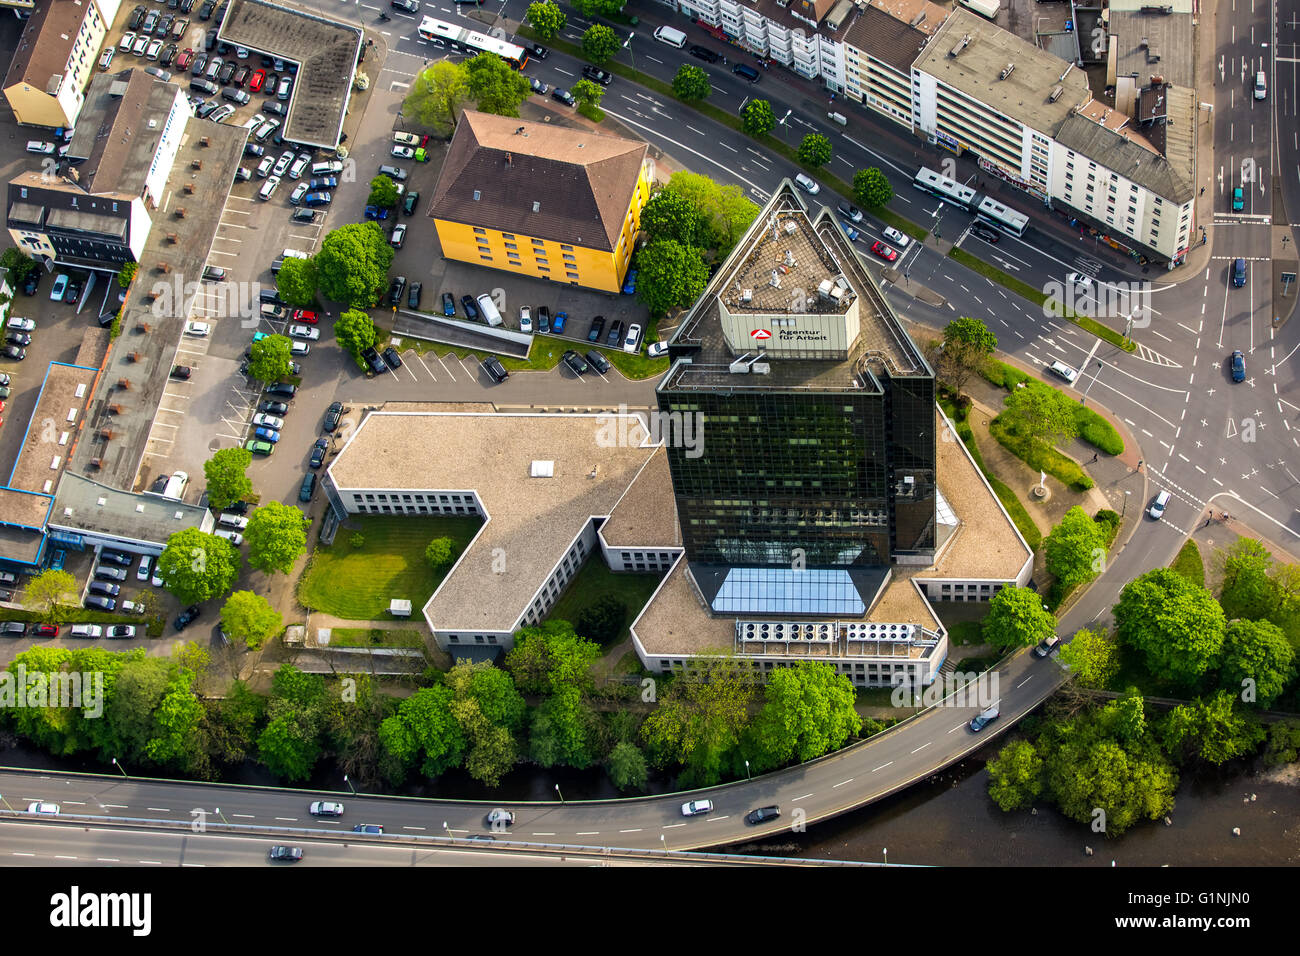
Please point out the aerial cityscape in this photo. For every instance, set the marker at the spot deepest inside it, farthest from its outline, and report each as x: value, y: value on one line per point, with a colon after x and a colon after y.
x: 727, y: 432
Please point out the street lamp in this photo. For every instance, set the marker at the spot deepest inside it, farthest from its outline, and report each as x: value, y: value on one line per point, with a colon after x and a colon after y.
x: 557, y: 790
x: 747, y: 776
x: 627, y: 45
x: 448, y: 829
x: 349, y: 783
x: 119, y: 767
x: 1126, y: 496
x: 886, y: 851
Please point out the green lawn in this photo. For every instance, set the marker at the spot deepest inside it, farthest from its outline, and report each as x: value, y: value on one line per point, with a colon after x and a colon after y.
x: 375, y: 637
x: 594, y: 581
x: 357, y: 583
x: 545, y: 354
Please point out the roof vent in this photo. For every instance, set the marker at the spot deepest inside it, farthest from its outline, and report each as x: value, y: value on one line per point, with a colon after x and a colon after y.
x: 477, y: 194
x: 961, y: 45
x: 775, y: 281
x: 537, y: 207
x: 542, y: 469
x: 1007, y: 71
x: 1056, y: 94
x: 746, y: 296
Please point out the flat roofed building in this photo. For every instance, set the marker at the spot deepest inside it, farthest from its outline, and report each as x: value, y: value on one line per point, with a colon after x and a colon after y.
x: 88, y: 514
x: 817, y: 417
x: 324, y: 51
x: 544, y: 484
x: 56, y: 56
x: 98, y: 207
x: 544, y: 200
x: 879, y: 49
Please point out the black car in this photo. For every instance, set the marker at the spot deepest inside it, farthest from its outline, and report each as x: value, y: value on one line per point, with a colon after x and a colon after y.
x: 13, y: 352
x: 304, y: 214
x: 254, y: 149
x: 18, y: 338
x: 395, y: 291
x: 318, y: 451
x: 598, y: 361
x: 495, y: 370
x: 704, y: 53
x: 537, y: 50
x: 392, y: 358
x: 308, y: 487
x: 471, y: 307
x: 987, y: 233
x: 282, y: 390
x: 96, y: 603
x: 564, y: 96
x: 205, y: 11
x: 597, y: 327
x: 413, y: 297
x: 182, y: 371
x: 408, y: 6
x: 32, y: 282
x: 615, y: 336
x: 137, y: 18
x: 762, y: 815
x: 198, y: 64
x: 186, y: 617
x: 289, y: 854
x: 273, y: 408
x: 543, y: 319
x: 238, y: 508
x: 104, y: 588
x: 13, y: 628
x: 168, y: 54
x: 227, y: 72
x: 73, y: 292
x: 372, y: 359
x: 332, y: 416
x: 576, y: 363
x: 597, y: 75
x: 116, y: 557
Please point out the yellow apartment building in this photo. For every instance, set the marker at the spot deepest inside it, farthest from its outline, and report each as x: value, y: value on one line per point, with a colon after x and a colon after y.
x: 542, y: 200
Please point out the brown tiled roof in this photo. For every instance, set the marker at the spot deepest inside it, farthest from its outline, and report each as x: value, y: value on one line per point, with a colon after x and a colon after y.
x: 887, y: 39
x: 46, y: 43
x: 582, y: 182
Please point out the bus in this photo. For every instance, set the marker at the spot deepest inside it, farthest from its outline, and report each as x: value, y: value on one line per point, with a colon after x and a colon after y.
x: 996, y: 214
x: 944, y: 188
x: 450, y: 35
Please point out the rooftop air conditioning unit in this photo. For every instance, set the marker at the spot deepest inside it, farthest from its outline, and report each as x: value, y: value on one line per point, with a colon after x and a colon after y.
x: 746, y: 296
x: 1007, y: 71
x: 791, y: 227
x: 1056, y: 94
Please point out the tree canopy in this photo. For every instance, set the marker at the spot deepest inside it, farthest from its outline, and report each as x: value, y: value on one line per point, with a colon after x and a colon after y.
x: 757, y: 117
x: 352, y: 264
x: 437, y: 95
x: 1258, y: 662
x: 276, y: 536
x: 1040, y: 413
x: 1076, y: 550
x: 1177, y: 626
x: 270, y: 359
x: 814, y: 150
x: 691, y: 83
x: 587, y: 95
x: 383, y: 192
x: 226, y: 476
x: 496, y: 86
x: 671, y: 275
x: 546, y: 19
x: 196, y: 566
x: 725, y: 209
x: 700, y: 720
x: 249, y: 617
x: 670, y: 215
x: 871, y: 188
x: 1017, y: 618
x: 600, y: 43
x: 296, y: 282
x: 355, y: 332
x: 808, y: 711
x: 967, y: 347
x: 1092, y: 658
x: 50, y: 593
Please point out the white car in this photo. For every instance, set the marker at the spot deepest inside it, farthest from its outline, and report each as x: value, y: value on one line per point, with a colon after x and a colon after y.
x: 807, y: 184
x: 1078, y: 280
x: 198, y: 328
x: 298, y: 348
x: 128, y: 41
x: 525, y: 319
x: 299, y: 191
x: 403, y: 152
x: 45, y: 809
x: 304, y: 332
x: 657, y: 349
x: 406, y: 139
x: 899, y: 240
x: 42, y: 148
x: 633, y: 341
x: 146, y: 566
x: 696, y: 807
x: 399, y: 235
x: 269, y: 187
x: 234, y: 537
x: 326, y: 808
x: 270, y: 421
x: 156, y: 580
x: 151, y: 52
x: 21, y: 324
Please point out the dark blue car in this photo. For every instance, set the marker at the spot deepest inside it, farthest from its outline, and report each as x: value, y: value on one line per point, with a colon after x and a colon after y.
x: 1238, y: 366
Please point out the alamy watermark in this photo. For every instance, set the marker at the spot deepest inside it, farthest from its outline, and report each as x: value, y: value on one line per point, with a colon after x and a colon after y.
x: 221, y: 300
x: 66, y: 689
x: 953, y: 690
x: 1130, y: 301
x: 623, y: 429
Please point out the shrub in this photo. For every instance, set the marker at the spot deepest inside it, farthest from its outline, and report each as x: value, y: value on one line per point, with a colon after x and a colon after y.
x: 1097, y: 432
x: 1110, y: 521
x: 358, y: 540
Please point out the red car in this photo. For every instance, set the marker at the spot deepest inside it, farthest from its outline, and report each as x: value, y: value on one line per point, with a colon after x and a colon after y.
x: 256, y: 80
x: 46, y: 630
x: 305, y: 315
x: 183, y: 61
x: 884, y: 251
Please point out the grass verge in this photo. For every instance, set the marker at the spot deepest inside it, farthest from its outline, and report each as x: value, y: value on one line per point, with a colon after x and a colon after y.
x: 357, y: 583
x: 1089, y: 426
x: 596, y: 581
x: 1189, y: 564
x: 545, y: 354
x: 1025, y: 290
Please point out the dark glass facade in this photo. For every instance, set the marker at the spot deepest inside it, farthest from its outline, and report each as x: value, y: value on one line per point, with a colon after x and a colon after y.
x: 807, y: 477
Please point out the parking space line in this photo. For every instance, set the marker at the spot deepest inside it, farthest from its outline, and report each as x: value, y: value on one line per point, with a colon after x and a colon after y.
x: 426, y: 368
x: 444, y: 365
x: 407, y: 366
x: 470, y: 369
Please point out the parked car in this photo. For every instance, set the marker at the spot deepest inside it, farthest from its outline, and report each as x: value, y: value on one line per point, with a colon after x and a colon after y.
x: 449, y: 305
x: 557, y: 325
x: 657, y: 350
x: 318, y: 452
x: 409, y: 202
x: 392, y: 359
x: 267, y: 434
x: 308, y: 332
x: 145, y: 568
x: 396, y: 289
x: 121, y: 632
x: 598, y: 361
x: 259, y: 447
x: 494, y: 369
x: 575, y: 362
x: 399, y: 235
x: 470, y: 306
x: 96, y: 603
x: 60, y: 287
x: 333, y: 415
x: 197, y: 328
x: 615, y: 335
x: 274, y: 408
x: 564, y: 96
x: 395, y: 173
x: 303, y: 214
x: 543, y: 319
x: 632, y: 344
x: 413, y: 295
x: 268, y: 420
x: 597, y: 75
x: 13, y: 628
x: 525, y: 319
x: 373, y: 361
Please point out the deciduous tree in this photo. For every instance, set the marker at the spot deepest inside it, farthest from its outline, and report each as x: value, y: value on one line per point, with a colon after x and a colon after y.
x: 383, y: 193
x: 587, y: 95
x: 967, y: 347
x: 808, y: 711
x: 50, y: 593
x: 1017, y: 618
x: 757, y: 117
x: 814, y: 150
x: 600, y: 43
x: 1092, y: 658
x: 1015, y: 776
x: 1076, y: 550
x: 670, y: 275
x: 196, y: 566
x: 296, y: 282
x: 691, y: 83
x: 270, y: 359
x: 352, y: 264
x: 276, y: 536
x: 1213, y: 730
x: 355, y: 332
x: 496, y: 86
x: 226, y: 477
x: 670, y: 215
x: 437, y: 95
x: 871, y: 188
x: 546, y: 19
x: 1040, y: 413
x: 1177, y: 626
x: 1258, y: 662
x: 440, y: 553
x: 249, y: 617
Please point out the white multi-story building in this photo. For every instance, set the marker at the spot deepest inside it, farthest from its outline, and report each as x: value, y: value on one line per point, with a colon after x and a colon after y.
x: 804, y: 35
x: 55, y: 59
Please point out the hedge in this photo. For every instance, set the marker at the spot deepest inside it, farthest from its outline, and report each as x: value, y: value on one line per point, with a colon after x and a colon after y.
x: 1040, y: 457
x: 1189, y: 564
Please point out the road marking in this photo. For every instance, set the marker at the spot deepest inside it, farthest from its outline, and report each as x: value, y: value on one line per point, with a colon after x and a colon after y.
x: 673, y: 826
x: 107, y: 859
x: 843, y: 782
x: 922, y: 747
x: 883, y: 766
x: 159, y: 809
x: 637, y: 830
x: 413, y: 828
x: 804, y: 797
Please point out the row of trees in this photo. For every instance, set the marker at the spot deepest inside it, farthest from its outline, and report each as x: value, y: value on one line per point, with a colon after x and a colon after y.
x: 444, y: 88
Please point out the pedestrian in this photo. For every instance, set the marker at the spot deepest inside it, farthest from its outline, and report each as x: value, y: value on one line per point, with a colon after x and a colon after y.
x: 1202, y: 190
x: 1207, y: 521
x: 1094, y: 458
